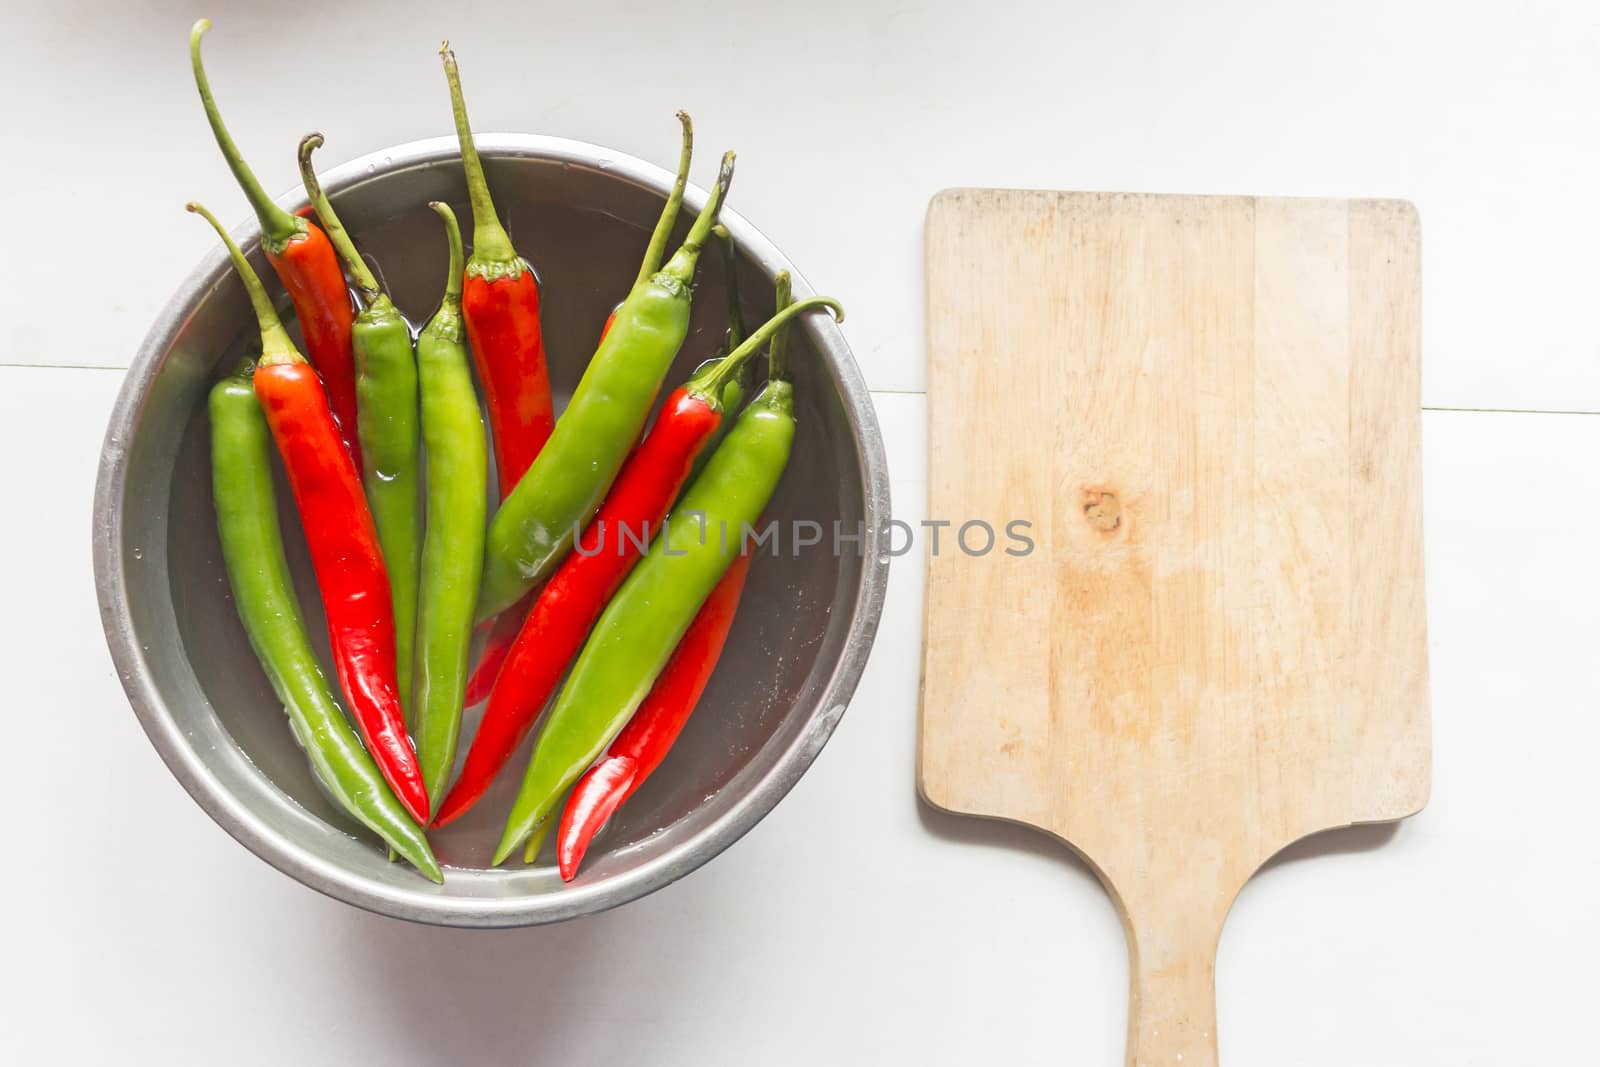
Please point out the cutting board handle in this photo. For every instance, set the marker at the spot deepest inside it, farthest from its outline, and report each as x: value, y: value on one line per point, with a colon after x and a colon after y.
x: 1172, y: 1007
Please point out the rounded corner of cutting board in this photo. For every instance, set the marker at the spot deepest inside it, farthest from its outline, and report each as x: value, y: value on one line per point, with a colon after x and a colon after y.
x: 1401, y: 210
x: 1412, y: 800
x: 925, y: 795
x: 947, y: 202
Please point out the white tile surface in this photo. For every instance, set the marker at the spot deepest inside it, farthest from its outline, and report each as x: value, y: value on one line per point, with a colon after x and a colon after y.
x: 852, y: 926
x: 849, y: 116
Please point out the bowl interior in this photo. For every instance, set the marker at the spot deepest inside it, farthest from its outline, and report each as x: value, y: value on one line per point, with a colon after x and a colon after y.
x: 775, y: 691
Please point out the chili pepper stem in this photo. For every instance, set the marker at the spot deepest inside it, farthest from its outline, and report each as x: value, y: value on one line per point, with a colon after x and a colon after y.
x: 669, y: 214
x: 491, y: 245
x: 340, y: 237
x: 681, y: 266
x: 452, y: 279
x: 276, y: 344
x: 778, y: 351
x: 730, y: 275
x: 278, y: 227
x: 710, y: 386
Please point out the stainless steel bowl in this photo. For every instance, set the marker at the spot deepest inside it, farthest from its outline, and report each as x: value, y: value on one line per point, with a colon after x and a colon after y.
x: 580, y: 213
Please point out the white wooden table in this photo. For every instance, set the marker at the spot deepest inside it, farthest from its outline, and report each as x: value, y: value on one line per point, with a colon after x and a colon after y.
x: 132, y: 928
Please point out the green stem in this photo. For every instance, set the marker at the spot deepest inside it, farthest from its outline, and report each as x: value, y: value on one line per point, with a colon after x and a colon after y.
x: 669, y: 214
x: 490, y: 243
x: 730, y: 271
x: 452, y: 233
x: 777, y: 352
x: 276, y: 345
x: 370, y: 290
x: 681, y: 266
x: 711, y: 385
x: 278, y: 227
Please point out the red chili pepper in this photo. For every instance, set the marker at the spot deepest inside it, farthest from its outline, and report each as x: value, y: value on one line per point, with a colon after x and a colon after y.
x: 509, y: 623
x: 500, y: 303
x: 305, y: 262
x: 502, y: 316
x: 649, y: 735
x: 341, y: 537
x: 576, y: 594
x: 349, y: 567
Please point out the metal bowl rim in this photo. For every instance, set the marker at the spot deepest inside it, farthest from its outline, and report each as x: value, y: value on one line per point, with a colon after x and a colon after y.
x: 423, y: 904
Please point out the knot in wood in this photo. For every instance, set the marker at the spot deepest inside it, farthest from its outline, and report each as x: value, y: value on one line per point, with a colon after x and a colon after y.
x: 1102, y: 509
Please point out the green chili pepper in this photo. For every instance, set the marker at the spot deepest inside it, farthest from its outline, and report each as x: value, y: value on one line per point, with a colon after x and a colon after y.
x: 252, y: 549
x: 638, y: 630
x: 535, y: 525
x: 452, y: 553
x: 386, y: 422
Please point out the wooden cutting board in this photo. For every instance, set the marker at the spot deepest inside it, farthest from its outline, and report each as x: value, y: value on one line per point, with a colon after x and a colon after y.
x: 1208, y: 409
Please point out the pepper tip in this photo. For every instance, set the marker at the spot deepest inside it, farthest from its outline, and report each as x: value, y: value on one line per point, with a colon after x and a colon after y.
x: 413, y: 797
x: 569, y: 852
x: 447, y: 811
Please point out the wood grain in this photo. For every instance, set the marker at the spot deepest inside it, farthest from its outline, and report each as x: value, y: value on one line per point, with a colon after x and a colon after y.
x: 1209, y: 410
